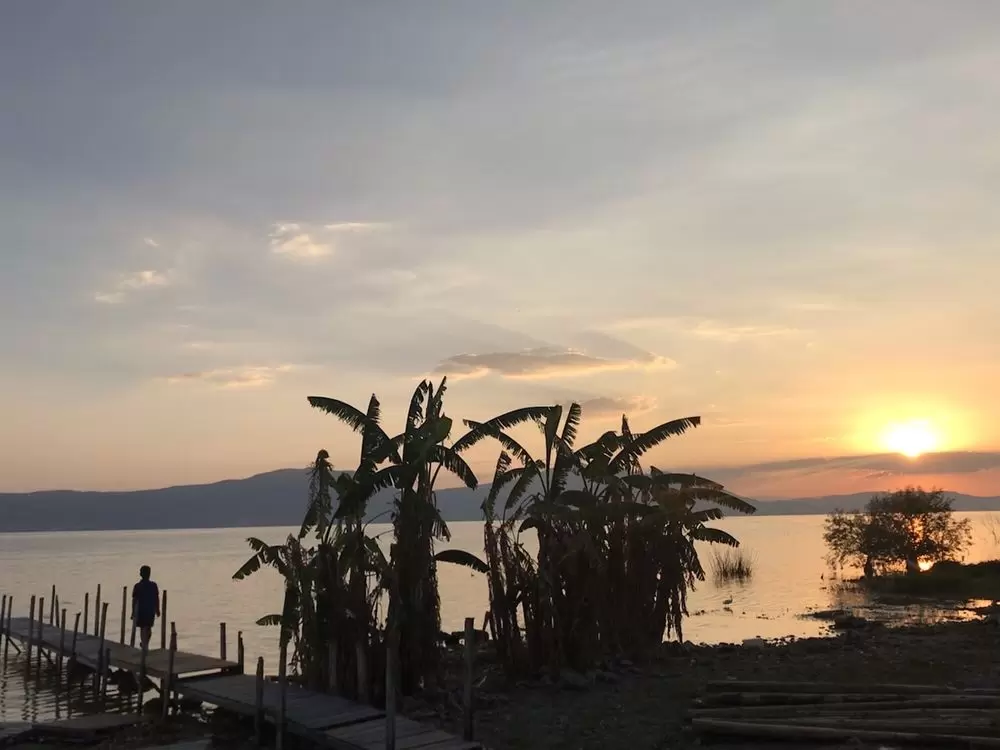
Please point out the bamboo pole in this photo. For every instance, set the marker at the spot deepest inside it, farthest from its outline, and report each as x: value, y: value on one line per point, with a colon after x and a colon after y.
x: 222, y: 641
x: 763, y: 686
x: 804, y: 733
x: 470, y: 656
x: 168, y: 683
x: 124, y: 608
x: 86, y: 612
x: 258, y: 713
x: 279, y: 740
x: 97, y: 612
x: 163, y: 621
x: 240, y: 652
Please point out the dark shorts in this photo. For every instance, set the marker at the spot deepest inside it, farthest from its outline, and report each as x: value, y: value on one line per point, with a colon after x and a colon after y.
x: 144, y: 621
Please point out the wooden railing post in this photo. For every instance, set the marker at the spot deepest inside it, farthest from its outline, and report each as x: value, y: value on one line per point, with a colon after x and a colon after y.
x: 76, y: 630
x: 279, y: 740
x: 10, y: 609
x: 222, y: 641
x: 62, y: 646
x: 3, y: 615
x: 41, y: 629
x: 97, y: 612
x: 470, y: 652
x: 86, y: 612
x: 258, y: 713
x: 124, y: 609
x: 52, y: 606
x: 163, y: 621
x: 240, y: 652
x: 168, y: 684
x: 31, y: 632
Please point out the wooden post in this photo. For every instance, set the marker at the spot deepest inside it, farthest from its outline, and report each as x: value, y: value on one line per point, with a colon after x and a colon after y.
x: 222, y: 641
x: 124, y: 609
x: 240, y: 652
x: 361, y: 650
x: 76, y: 630
x: 97, y: 612
x: 86, y: 612
x: 101, y: 633
x: 52, y: 606
x: 390, y: 689
x: 279, y: 740
x: 10, y: 609
x: 258, y: 713
x: 31, y: 631
x: 105, y: 671
x: 470, y: 655
x: 41, y: 625
x: 62, y: 644
x: 168, y: 682
x: 3, y: 615
x: 163, y: 621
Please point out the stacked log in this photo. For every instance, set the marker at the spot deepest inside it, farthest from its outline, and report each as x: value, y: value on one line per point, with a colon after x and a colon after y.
x: 929, y: 715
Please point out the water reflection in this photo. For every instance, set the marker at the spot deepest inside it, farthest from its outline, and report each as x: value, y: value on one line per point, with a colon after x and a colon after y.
x: 29, y: 693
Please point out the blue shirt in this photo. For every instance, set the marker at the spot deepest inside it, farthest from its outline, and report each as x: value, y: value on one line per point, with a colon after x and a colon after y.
x: 145, y: 598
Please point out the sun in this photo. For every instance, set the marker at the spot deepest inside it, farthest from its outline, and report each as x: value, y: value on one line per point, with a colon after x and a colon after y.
x: 912, y: 439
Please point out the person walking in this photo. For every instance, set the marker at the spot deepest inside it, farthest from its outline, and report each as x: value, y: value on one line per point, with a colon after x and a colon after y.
x: 145, y: 605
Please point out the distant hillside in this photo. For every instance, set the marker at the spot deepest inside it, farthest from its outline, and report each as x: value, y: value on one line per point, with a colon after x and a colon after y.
x: 277, y: 498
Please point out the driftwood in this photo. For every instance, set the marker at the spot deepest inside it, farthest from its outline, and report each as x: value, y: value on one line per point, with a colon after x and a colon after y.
x: 751, y: 686
x: 728, y: 728
x: 835, y: 712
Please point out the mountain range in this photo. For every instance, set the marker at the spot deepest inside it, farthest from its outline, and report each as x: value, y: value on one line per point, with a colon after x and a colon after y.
x: 277, y: 498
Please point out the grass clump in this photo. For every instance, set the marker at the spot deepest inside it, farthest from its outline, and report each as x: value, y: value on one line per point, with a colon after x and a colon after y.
x: 732, y: 565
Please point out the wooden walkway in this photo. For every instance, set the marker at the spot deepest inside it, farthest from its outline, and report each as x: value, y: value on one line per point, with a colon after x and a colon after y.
x: 88, y: 648
x: 328, y: 720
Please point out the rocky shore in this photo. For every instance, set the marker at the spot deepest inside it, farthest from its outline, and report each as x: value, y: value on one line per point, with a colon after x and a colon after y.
x: 634, y: 707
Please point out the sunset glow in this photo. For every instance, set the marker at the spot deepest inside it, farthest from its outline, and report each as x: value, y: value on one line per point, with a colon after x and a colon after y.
x: 911, y: 439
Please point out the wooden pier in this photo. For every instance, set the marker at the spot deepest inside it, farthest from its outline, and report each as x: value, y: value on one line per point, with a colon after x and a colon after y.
x: 327, y: 720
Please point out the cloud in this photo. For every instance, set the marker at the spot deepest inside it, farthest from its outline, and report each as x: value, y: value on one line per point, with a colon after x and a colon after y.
x: 150, y: 242
x: 870, y: 466
x: 610, y: 407
x: 544, y: 362
x: 293, y: 241
x: 305, y: 242
x: 132, y: 282
x: 355, y: 226
x: 706, y: 328
x: 234, y: 377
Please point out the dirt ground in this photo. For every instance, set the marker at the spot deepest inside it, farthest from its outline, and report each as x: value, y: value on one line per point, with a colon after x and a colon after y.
x: 645, y: 708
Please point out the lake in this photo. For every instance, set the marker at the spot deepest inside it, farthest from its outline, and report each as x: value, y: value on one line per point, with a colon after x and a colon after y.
x: 195, y: 566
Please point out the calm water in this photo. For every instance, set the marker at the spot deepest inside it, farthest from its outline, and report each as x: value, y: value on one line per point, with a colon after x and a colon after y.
x: 196, y: 567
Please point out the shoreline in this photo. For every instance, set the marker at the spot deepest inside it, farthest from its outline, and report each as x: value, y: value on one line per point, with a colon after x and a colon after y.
x: 645, y: 705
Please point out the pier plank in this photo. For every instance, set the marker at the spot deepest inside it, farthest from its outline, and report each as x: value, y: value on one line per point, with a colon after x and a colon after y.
x: 335, y: 721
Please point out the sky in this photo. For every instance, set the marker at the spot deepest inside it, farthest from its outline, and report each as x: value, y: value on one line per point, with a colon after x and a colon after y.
x: 779, y: 216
